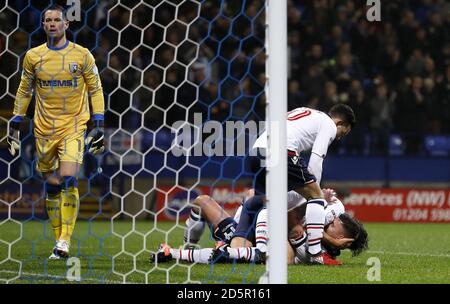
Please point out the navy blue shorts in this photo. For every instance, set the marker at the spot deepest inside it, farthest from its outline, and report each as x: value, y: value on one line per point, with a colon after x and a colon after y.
x: 249, y: 215
x: 298, y: 174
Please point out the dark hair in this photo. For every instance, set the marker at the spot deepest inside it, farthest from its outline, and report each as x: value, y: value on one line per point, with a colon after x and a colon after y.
x: 355, y: 230
x: 343, y: 112
x: 55, y: 7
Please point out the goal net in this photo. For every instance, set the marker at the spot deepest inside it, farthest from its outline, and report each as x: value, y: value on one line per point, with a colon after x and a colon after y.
x: 184, y: 86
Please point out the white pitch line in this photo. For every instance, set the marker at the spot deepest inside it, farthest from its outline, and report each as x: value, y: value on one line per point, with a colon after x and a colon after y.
x: 410, y: 253
x: 59, y: 277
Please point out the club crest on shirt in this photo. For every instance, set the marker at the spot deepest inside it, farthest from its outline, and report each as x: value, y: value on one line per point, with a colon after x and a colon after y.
x: 73, y: 67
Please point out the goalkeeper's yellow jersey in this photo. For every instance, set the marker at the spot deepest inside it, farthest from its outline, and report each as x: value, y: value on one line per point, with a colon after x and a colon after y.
x: 63, y: 79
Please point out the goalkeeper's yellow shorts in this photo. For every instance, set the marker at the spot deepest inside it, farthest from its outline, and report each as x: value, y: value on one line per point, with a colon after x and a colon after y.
x: 50, y: 151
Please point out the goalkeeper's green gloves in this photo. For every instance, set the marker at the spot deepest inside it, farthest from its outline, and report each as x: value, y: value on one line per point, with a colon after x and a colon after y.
x: 94, y: 139
x: 13, y: 138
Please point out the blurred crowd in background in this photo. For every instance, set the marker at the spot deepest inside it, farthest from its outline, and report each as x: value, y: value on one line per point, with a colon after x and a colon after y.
x: 395, y: 73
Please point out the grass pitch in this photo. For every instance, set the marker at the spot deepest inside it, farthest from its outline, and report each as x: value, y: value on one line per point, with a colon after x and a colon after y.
x: 408, y: 253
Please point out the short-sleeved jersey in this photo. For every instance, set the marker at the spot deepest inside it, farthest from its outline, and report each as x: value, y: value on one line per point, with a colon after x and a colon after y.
x: 307, y: 130
x: 310, y: 130
x: 63, y: 80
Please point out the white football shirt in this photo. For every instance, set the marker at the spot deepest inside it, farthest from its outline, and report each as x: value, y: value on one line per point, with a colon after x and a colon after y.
x: 307, y: 130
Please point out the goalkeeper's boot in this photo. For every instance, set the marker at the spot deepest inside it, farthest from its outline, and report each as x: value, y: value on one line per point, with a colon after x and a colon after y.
x: 220, y: 253
x: 54, y: 255
x: 62, y: 249
x: 323, y: 258
x: 162, y: 255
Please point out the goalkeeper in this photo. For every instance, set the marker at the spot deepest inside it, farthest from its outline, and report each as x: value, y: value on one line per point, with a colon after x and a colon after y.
x: 63, y: 76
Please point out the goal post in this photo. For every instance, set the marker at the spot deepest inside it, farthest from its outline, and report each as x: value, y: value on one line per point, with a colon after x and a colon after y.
x: 276, y: 37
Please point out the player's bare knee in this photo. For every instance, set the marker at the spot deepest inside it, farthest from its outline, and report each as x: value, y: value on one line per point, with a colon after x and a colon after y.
x: 311, y: 191
x: 238, y: 242
x: 200, y: 203
x: 53, y: 179
x: 69, y: 169
x: 201, y: 200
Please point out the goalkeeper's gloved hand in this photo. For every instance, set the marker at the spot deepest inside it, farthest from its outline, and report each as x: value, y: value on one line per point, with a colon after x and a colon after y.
x: 94, y: 139
x: 13, y: 138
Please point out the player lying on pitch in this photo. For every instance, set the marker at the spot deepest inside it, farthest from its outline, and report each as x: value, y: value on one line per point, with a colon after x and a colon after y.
x: 238, y: 245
